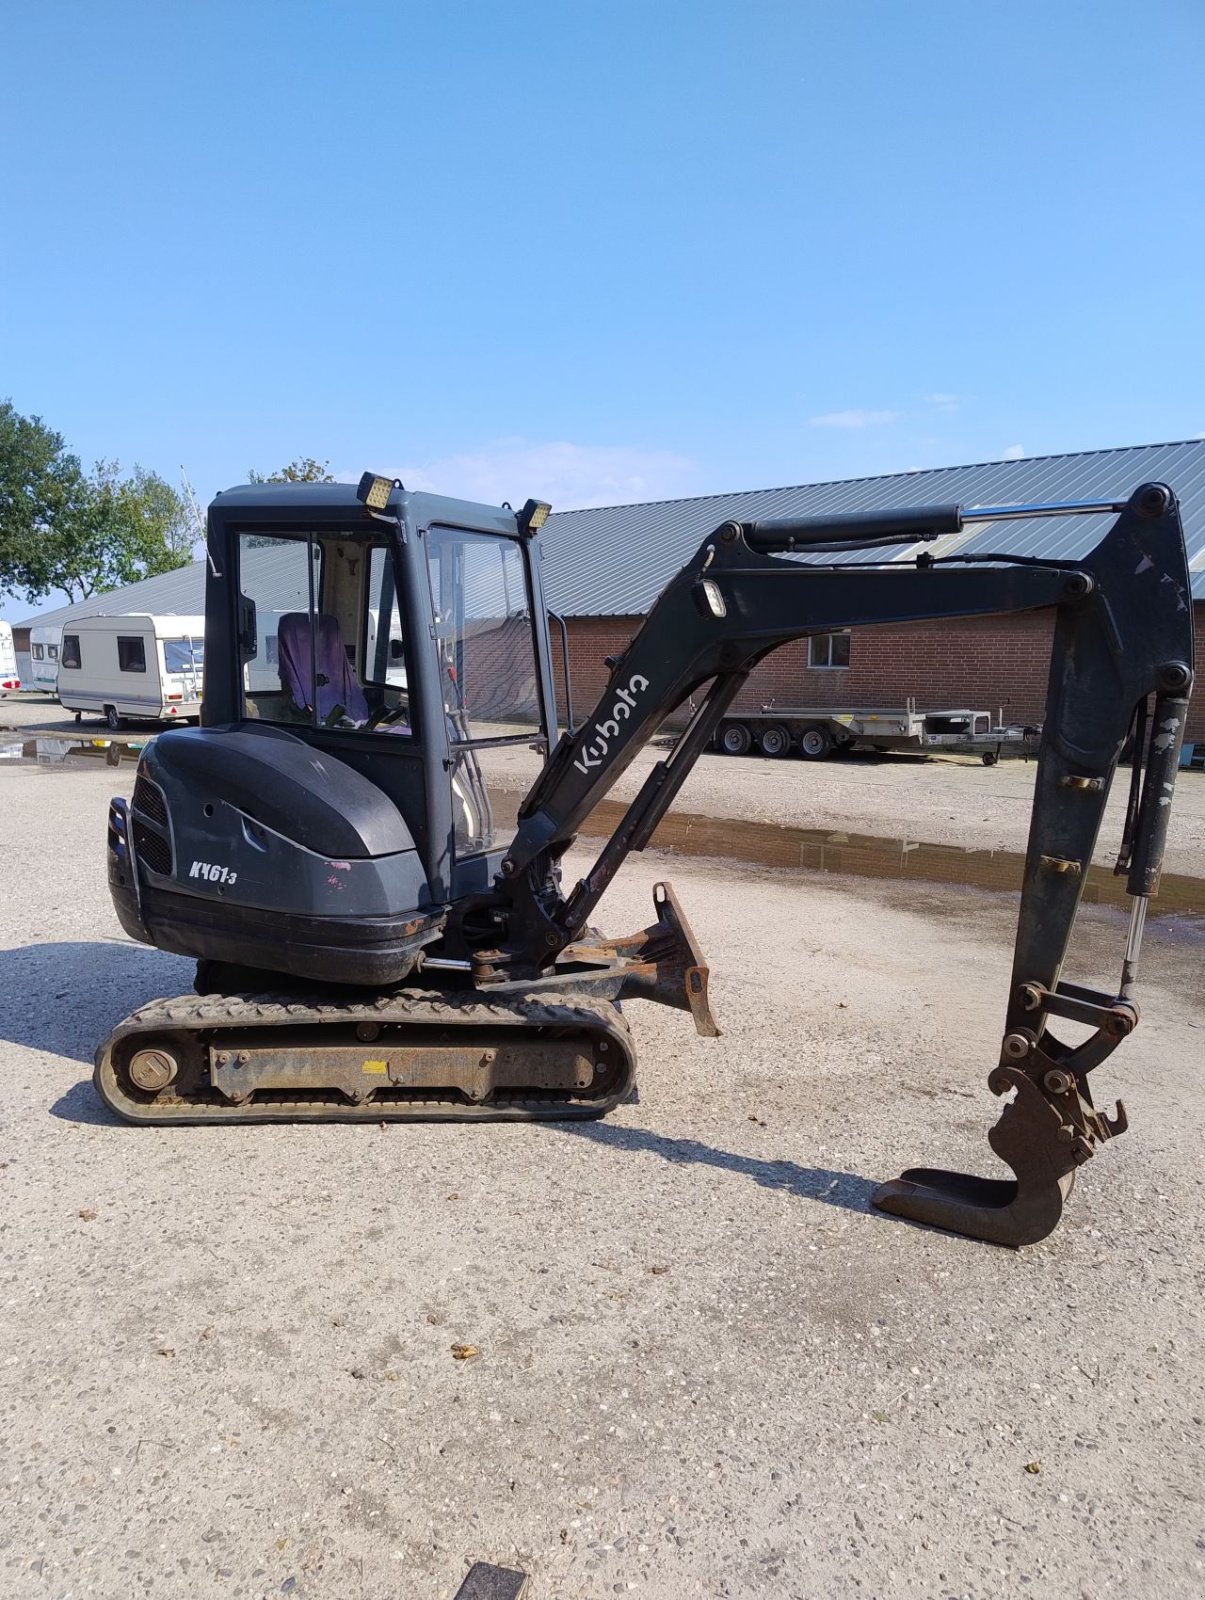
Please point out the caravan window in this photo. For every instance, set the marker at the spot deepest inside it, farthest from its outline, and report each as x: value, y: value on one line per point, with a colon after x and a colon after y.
x: 183, y: 655
x: 131, y: 655
x: 37, y: 653
x: 52, y: 650
x: 71, y: 649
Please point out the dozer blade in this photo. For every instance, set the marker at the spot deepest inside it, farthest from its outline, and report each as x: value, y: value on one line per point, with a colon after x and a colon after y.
x: 663, y: 962
x: 407, y: 1056
x: 1044, y: 1137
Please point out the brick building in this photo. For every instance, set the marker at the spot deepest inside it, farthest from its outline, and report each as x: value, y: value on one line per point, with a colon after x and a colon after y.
x: 605, y: 567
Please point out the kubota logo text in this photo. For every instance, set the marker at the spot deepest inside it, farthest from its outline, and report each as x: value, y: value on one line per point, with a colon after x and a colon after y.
x: 594, y: 753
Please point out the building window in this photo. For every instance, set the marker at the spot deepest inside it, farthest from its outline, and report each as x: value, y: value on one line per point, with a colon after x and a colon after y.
x: 131, y: 655
x: 829, y: 649
x: 70, y: 650
x: 37, y: 653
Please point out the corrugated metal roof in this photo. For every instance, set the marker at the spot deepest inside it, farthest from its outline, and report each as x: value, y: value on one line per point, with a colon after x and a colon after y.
x: 177, y: 593
x: 615, y: 560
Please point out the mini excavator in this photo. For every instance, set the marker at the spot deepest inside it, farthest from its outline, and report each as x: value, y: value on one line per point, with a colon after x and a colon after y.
x: 373, y: 945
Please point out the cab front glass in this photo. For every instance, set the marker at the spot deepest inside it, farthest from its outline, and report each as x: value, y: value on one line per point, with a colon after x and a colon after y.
x: 320, y: 633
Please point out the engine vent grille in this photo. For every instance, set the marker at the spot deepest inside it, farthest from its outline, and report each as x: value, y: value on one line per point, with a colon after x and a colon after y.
x: 149, y: 800
x: 153, y: 850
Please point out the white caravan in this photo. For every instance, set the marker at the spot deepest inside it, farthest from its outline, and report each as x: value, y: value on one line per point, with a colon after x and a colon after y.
x: 44, y: 657
x: 140, y: 666
x: 9, y: 681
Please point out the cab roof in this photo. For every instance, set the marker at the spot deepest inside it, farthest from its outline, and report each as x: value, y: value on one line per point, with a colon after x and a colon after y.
x: 289, y: 503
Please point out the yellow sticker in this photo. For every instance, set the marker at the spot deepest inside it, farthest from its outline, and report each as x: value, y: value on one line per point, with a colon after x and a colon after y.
x: 378, y: 1069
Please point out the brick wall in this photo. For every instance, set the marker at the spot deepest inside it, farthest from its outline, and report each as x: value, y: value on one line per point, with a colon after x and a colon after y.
x: 984, y: 663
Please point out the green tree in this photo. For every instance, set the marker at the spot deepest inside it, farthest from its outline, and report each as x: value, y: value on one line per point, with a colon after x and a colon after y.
x: 114, y: 531
x: 302, y: 470
x: 37, y: 479
x: 61, y: 528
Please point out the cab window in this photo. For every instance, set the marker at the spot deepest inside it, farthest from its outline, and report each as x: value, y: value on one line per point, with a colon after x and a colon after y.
x: 319, y: 634
x: 383, y: 652
x: 483, y: 627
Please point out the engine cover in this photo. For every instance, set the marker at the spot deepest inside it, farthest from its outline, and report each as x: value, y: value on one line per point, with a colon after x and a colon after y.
x: 254, y: 848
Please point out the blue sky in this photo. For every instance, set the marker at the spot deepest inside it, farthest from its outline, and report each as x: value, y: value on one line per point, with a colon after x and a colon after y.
x: 603, y: 251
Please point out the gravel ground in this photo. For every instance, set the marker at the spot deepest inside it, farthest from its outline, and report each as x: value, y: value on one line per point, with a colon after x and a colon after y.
x: 948, y: 800
x: 706, y: 1368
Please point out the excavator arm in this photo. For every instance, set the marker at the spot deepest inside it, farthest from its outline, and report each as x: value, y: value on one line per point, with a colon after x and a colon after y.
x: 1121, y: 658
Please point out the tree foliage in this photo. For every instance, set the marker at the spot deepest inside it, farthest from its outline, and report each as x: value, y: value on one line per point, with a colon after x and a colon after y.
x: 304, y: 469
x: 38, y: 478
x: 83, y: 533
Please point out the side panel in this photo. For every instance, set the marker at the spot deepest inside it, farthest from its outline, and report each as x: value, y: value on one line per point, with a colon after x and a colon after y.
x: 251, y: 849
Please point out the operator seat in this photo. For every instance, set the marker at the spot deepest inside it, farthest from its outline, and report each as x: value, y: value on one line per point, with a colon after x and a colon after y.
x: 337, y: 688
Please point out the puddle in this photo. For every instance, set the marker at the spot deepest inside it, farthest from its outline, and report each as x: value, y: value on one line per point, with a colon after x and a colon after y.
x: 767, y: 844
x: 772, y: 844
x: 45, y: 752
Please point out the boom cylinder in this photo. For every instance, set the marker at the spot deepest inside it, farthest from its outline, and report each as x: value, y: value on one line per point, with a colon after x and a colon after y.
x: 795, y: 533
x: 1163, y: 759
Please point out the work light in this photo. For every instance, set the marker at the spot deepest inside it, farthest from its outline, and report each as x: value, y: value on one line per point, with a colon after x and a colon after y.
x: 533, y: 516
x: 374, y: 491
x: 710, y: 598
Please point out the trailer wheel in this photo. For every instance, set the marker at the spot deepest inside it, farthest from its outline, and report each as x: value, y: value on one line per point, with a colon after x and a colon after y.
x: 816, y: 743
x: 735, y: 739
x: 990, y: 758
x: 112, y: 718
x: 774, y: 740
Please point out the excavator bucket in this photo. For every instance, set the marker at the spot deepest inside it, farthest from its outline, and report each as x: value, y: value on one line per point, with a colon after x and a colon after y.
x: 1043, y: 1148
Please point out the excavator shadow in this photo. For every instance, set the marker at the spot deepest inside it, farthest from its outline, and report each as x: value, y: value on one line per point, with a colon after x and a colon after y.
x: 61, y: 997
x: 844, y: 1189
x: 81, y: 1103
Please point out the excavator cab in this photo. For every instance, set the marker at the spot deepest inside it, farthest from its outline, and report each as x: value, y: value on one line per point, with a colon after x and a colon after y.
x: 371, y: 666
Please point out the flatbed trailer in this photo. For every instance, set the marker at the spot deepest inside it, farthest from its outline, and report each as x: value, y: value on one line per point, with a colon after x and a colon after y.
x: 815, y: 732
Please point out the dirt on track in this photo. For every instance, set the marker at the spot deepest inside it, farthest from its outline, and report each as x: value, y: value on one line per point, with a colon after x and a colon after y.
x: 705, y: 1367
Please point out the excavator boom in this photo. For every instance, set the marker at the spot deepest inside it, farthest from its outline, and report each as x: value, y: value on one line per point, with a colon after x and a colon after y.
x: 1123, y: 638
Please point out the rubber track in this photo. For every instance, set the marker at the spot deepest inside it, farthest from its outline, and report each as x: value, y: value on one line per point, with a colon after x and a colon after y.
x: 191, y: 1014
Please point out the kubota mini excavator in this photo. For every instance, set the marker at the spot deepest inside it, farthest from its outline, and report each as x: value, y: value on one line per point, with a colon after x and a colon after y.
x: 368, y: 948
